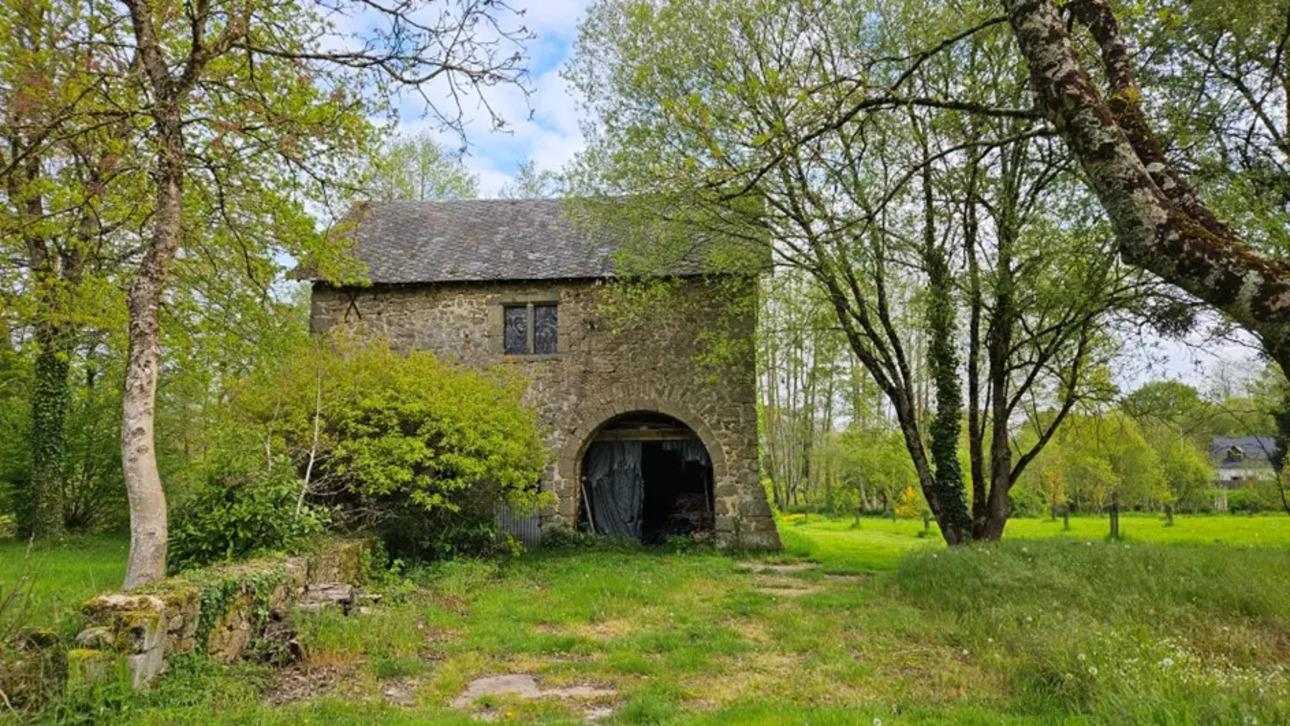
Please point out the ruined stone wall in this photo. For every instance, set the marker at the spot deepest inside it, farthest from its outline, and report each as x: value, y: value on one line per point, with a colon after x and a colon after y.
x: 605, y: 365
x: 219, y: 611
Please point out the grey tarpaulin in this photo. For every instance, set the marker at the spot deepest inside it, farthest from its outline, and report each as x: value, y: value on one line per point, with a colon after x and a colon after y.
x: 691, y: 450
x: 616, y: 488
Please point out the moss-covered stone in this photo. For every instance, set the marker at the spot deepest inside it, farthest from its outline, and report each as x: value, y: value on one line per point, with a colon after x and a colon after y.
x: 87, y: 667
x: 336, y: 561
x: 134, y: 621
x: 233, y: 631
x: 225, y: 608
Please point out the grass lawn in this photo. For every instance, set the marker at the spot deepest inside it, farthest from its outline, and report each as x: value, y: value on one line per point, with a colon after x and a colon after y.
x: 877, y: 544
x: 1048, y: 627
x: 61, y: 576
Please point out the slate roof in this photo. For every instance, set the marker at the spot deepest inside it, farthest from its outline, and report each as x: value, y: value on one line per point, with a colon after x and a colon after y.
x: 481, y: 239
x: 1253, y: 451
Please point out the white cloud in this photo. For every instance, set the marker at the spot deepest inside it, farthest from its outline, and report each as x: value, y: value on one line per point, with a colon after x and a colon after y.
x: 543, y: 127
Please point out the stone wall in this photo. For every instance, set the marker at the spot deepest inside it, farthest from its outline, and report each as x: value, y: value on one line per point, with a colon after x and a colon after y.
x: 220, y: 611
x: 605, y: 366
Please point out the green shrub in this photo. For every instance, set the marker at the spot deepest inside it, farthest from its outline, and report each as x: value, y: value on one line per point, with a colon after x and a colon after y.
x: 1026, y: 502
x: 419, y: 450
x: 563, y: 536
x: 1240, y: 502
x: 240, y: 512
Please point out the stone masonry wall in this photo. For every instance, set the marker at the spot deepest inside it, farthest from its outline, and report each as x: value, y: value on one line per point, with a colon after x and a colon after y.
x: 603, y: 368
x: 220, y: 611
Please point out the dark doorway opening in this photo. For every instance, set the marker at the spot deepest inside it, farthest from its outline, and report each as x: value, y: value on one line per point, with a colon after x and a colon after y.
x: 647, y: 477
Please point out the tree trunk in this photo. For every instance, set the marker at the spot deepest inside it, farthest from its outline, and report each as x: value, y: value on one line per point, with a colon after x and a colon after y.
x: 976, y: 305
x: 951, y: 507
x: 1160, y: 223
x: 49, y: 398
x: 148, y: 531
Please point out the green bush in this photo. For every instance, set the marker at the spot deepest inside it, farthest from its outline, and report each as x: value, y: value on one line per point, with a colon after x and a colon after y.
x: 1026, y: 502
x: 563, y: 536
x: 1239, y: 501
x: 1254, y: 498
x: 418, y: 450
x: 242, y: 511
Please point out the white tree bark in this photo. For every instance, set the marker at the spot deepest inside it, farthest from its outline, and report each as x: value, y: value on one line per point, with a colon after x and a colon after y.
x: 148, y: 532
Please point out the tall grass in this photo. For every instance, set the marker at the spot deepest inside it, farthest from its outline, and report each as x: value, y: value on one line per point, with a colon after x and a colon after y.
x: 1133, y: 633
x: 61, y: 576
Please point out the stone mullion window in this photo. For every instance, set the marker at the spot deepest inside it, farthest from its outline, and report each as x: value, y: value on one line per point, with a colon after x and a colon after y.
x: 530, y: 328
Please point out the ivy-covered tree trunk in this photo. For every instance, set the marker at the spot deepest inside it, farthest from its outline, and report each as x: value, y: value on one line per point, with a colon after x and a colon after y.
x: 49, y: 398
x: 951, y: 508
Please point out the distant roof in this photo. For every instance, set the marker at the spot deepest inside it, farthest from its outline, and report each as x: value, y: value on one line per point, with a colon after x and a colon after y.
x: 482, y: 239
x: 1241, y: 451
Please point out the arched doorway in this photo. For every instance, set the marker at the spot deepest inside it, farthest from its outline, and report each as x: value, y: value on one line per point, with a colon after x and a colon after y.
x: 646, y: 476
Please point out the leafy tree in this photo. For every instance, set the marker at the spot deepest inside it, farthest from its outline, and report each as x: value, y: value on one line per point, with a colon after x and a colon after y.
x: 1187, y: 471
x: 531, y: 183
x: 247, y: 113
x: 1173, y: 403
x: 746, y: 123
x: 1161, y: 221
x: 874, y: 469
x: 1104, y: 458
x: 68, y: 191
x: 415, y: 168
x: 799, y: 358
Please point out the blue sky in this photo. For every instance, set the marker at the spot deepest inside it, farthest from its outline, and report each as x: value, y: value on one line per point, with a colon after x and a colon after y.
x: 551, y: 137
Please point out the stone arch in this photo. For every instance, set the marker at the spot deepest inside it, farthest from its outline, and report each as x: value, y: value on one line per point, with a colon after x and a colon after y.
x: 569, y: 461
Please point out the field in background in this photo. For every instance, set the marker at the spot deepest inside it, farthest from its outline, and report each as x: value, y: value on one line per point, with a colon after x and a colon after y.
x: 877, y: 543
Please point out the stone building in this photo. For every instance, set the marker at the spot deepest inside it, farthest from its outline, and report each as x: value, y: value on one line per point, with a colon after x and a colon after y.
x: 646, y: 441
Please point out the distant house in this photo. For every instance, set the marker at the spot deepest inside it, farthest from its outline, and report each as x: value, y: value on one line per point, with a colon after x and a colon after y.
x: 1241, y: 460
x: 641, y: 446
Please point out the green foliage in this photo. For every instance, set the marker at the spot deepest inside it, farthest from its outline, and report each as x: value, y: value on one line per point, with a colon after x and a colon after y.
x: 94, y: 703
x: 415, y: 168
x: 418, y: 448
x: 1095, y: 459
x: 240, y: 512
x: 1187, y: 471
x: 93, y: 484
x: 192, y: 682
x: 1254, y: 498
x: 873, y: 469
x: 564, y: 536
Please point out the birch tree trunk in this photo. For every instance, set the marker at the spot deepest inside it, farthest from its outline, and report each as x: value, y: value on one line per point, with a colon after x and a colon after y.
x: 148, y: 531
